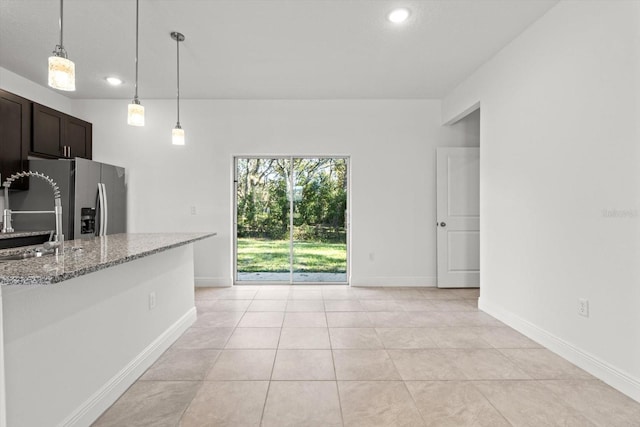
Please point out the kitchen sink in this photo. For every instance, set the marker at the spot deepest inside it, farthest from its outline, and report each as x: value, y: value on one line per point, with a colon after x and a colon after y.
x: 9, y: 241
x: 47, y: 249
x: 23, y: 255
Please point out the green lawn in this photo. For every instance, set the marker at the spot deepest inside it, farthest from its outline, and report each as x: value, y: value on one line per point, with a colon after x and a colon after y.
x: 260, y: 255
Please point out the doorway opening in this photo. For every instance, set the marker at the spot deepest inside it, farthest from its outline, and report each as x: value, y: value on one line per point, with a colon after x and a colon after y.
x: 458, y: 205
x: 291, y: 220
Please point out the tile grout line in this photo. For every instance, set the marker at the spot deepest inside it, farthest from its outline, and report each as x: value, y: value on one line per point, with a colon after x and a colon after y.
x: 202, y: 382
x: 273, y: 364
x: 266, y: 396
x: 184, y: 411
x: 415, y: 404
x: 333, y: 361
x: 491, y: 403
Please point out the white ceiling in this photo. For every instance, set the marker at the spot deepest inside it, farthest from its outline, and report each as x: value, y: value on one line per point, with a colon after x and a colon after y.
x: 264, y: 49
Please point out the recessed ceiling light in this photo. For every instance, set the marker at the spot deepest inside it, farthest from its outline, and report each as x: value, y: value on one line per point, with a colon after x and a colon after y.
x: 398, y: 16
x: 113, y: 81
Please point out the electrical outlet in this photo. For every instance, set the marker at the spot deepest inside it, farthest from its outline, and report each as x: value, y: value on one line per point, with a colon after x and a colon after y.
x: 583, y: 307
x: 152, y: 300
x: 193, y: 210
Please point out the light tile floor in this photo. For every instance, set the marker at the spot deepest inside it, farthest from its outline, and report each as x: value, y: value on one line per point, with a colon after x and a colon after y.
x: 338, y: 356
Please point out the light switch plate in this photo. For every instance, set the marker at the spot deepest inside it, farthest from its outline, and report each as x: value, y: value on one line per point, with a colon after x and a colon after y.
x: 583, y: 307
x: 152, y: 300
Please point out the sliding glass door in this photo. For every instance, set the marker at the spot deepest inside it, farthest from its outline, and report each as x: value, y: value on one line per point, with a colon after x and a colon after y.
x: 319, y: 220
x: 262, y: 220
x: 291, y: 220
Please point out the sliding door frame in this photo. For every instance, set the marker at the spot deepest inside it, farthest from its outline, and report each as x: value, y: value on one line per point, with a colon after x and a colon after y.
x: 234, y: 218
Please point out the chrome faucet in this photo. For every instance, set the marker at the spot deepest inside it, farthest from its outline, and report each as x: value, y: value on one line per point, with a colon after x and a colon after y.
x: 58, y: 237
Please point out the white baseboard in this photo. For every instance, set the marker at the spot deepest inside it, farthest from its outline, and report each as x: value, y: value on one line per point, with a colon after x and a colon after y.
x: 600, y: 369
x: 208, y: 282
x: 102, y: 399
x: 389, y: 282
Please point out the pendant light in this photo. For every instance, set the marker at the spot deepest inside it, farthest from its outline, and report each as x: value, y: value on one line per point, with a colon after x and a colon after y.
x: 177, y: 134
x: 135, y: 112
x: 62, y: 71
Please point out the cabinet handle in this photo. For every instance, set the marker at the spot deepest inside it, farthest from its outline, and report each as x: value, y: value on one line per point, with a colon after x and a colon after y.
x: 68, y: 151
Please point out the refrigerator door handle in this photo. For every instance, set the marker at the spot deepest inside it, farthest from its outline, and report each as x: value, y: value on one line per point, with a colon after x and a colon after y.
x: 101, y: 208
x: 106, y: 209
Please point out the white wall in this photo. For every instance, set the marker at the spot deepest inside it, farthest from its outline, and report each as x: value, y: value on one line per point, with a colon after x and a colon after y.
x: 18, y: 85
x: 391, y: 145
x: 464, y: 132
x: 560, y: 147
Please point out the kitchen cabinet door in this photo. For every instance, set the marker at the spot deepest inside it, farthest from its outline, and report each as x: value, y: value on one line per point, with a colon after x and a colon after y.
x: 78, y: 138
x: 48, y: 131
x: 15, y: 135
x: 56, y: 134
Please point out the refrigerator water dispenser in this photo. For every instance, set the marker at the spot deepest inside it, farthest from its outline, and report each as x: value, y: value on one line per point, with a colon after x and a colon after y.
x: 88, y: 220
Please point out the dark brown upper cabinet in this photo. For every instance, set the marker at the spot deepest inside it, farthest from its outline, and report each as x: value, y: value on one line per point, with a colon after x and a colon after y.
x: 78, y: 138
x: 48, y: 131
x: 58, y: 135
x: 28, y: 128
x: 15, y: 137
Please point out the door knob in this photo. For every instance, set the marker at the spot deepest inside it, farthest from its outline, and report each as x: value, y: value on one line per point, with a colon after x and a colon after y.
x: 443, y: 224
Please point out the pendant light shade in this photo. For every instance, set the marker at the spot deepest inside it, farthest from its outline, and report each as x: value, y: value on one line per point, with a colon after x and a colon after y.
x: 135, y: 112
x: 62, y: 71
x: 177, y: 134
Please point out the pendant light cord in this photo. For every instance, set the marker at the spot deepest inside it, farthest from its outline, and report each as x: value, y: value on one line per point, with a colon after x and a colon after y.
x: 61, y: 24
x: 135, y: 98
x: 178, y: 37
x: 178, y: 68
x: 59, y: 49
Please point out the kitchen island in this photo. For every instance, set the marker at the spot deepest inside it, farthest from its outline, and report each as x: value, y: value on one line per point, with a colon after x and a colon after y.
x: 81, y: 326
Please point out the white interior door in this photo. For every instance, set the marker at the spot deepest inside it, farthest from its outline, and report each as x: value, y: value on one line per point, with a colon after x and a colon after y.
x: 458, y: 215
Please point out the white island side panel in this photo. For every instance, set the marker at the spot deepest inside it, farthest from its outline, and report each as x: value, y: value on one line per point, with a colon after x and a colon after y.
x: 72, y: 348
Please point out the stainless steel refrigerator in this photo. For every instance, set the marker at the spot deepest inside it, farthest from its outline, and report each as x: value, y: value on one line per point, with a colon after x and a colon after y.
x: 94, y: 198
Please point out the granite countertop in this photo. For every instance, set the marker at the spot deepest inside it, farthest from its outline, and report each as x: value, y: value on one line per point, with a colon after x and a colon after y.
x: 18, y: 234
x: 88, y: 255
